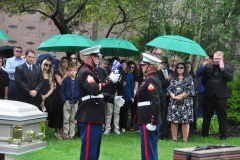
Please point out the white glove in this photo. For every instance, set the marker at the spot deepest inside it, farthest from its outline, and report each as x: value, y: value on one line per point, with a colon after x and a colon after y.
x: 119, y: 101
x: 114, y: 77
x: 151, y: 127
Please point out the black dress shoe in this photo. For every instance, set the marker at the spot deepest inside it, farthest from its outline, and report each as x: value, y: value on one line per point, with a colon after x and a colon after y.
x: 163, y: 138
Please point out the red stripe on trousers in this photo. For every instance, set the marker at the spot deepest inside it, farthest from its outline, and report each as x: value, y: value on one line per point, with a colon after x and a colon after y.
x: 145, y: 141
x: 87, y: 141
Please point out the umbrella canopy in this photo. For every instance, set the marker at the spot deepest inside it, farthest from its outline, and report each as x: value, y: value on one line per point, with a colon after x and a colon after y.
x: 117, y: 47
x: 177, y: 43
x: 3, y: 36
x: 52, y: 58
x: 66, y: 43
x: 6, y: 51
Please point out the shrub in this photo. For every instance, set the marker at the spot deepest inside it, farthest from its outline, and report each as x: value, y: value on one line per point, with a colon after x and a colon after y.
x: 214, y: 126
x: 233, y: 103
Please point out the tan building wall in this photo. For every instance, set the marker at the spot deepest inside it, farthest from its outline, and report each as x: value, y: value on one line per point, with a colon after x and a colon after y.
x: 28, y: 28
x: 32, y: 28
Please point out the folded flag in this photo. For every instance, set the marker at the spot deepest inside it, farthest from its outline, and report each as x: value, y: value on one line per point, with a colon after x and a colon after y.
x: 116, y: 68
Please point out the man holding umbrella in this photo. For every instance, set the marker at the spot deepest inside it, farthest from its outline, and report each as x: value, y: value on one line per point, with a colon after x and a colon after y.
x: 91, y: 112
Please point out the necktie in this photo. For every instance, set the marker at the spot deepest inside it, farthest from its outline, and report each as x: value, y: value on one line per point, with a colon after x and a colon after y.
x: 164, y: 73
x: 30, y: 68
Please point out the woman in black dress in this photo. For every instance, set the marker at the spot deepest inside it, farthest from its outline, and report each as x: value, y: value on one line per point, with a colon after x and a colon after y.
x: 48, y: 86
x: 133, y: 106
x: 57, y: 120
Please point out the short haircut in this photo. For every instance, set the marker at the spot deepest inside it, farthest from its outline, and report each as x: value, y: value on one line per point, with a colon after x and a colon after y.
x: 210, y: 56
x: 116, y: 58
x: 72, y: 67
x: 103, y: 61
x: 17, y: 47
x: 28, y: 51
x: 164, y: 59
x: 219, y: 53
x: 123, y: 61
x: 110, y: 60
x: 148, y: 52
x: 158, y: 49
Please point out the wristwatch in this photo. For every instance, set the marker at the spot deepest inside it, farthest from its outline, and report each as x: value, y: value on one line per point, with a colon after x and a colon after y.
x: 221, y: 69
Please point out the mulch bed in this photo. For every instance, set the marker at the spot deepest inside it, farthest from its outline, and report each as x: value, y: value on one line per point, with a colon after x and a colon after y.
x: 233, y: 130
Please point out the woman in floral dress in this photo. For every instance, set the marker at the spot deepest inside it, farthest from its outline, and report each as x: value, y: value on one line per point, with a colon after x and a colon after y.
x: 180, y: 109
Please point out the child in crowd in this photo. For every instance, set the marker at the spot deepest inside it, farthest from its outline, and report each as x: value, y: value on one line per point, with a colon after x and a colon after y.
x: 71, y: 97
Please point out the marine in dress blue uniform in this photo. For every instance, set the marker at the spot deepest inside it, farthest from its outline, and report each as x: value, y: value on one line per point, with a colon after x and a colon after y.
x: 91, y: 112
x: 149, y: 117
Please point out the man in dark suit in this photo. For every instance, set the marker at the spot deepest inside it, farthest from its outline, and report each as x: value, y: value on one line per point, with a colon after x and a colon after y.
x: 165, y: 77
x: 29, y: 80
x: 214, y: 79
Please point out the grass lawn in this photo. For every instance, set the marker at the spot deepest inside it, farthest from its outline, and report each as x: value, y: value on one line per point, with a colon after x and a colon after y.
x: 114, y: 147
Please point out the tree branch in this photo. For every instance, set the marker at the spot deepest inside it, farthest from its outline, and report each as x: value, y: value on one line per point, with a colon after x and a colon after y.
x: 56, y: 9
x: 82, y: 5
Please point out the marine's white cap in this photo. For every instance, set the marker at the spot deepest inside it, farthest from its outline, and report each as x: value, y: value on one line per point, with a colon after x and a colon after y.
x: 92, y: 51
x: 148, y: 59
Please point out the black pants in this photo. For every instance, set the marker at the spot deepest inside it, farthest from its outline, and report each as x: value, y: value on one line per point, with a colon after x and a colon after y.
x: 124, y: 114
x: 220, y: 106
x: 165, y: 124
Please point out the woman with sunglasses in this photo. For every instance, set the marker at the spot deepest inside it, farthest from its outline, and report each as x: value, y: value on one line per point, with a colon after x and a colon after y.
x: 73, y: 59
x: 133, y: 106
x: 180, y: 109
x: 56, y: 121
x: 128, y: 95
x: 48, y: 85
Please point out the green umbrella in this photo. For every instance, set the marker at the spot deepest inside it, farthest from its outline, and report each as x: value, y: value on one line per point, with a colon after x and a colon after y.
x: 177, y: 43
x: 66, y: 43
x: 117, y: 47
x: 3, y: 36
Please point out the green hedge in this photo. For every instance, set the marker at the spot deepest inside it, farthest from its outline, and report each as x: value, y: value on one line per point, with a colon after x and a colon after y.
x: 233, y: 103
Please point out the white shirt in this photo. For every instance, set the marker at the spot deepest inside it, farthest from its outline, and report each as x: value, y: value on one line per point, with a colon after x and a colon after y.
x: 165, y: 71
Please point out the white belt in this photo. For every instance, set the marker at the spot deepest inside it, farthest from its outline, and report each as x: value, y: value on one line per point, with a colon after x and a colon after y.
x: 145, y: 103
x: 91, y: 96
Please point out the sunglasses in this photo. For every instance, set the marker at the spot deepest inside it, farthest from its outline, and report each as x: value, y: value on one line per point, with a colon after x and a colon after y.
x: 73, y: 58
x: 46, y: 65
x: 18, y: 51
x: 132, y: 67
x: 164, y: 62
x: 180, y: 67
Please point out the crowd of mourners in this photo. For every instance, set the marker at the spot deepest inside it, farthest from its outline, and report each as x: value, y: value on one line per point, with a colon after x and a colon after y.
x: 56, y: 92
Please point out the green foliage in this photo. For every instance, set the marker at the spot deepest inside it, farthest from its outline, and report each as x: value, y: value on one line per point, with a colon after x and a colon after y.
x: 199, y: 124
x: 233, y: 103
x: 214, y: 125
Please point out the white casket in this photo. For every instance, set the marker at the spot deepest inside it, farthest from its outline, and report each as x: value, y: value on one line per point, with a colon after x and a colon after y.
x: 22, y: 127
